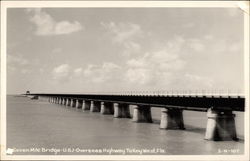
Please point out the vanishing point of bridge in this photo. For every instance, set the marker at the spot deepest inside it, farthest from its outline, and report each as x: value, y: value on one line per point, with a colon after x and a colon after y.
x: 220, y: 123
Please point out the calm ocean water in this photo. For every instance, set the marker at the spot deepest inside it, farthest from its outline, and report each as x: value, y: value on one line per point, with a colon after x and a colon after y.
x: 39, y: 127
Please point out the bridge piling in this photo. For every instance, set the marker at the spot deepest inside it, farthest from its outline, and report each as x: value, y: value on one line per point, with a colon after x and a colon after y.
x: 107, y: 108
x: 73, y: 103
x: 57, y: 100
x: 60, y: 100
x: 64, y: 101
x: 85, y: 105
x: 78, y: 103
x: 121, y: 110
x: 172, y: 119
x: 220, y: 126
x: 95, y: 106
x: 68, y: 102
x: 142, y: 114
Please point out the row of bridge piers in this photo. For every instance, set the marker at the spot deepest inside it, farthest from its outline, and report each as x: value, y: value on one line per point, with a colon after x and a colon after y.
x: 220, y: 124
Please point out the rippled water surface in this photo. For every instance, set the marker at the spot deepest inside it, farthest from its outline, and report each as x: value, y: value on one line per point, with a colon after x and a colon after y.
x: 39, y: 127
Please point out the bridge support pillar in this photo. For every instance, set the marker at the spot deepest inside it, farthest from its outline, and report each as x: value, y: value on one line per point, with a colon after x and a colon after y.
x: 68, y: 102
x: 95, y: 106
x: 57, y: 100
x: 107, y: 108
x: 78, y: 104
x: 121, y: 110
x: 172, y: 119
x: 142, y: 114
x: 64, y: 101
x: 53, y: 99
x: 60, y: 100
x: 73, y: 103
x: 86, y: 105
x: 220, y: 125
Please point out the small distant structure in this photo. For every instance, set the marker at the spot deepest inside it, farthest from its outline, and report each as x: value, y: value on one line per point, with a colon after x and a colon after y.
x: 33, y: 97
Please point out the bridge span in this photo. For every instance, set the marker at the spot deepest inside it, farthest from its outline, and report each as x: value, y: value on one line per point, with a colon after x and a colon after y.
x: 220, y: 123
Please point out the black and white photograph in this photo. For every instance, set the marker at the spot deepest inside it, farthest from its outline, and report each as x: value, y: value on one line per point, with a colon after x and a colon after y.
x: 125, y: 80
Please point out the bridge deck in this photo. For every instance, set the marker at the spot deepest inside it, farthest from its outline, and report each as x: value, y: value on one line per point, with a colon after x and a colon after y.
x: 196, y: 103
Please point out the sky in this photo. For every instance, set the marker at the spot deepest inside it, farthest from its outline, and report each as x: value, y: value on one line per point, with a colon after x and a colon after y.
x: 82, y: 50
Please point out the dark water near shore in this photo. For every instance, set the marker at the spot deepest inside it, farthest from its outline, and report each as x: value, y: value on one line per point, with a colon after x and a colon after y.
x: 39, y: 127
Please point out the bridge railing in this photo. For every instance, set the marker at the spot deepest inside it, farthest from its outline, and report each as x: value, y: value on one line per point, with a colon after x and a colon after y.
x: 207, y: 93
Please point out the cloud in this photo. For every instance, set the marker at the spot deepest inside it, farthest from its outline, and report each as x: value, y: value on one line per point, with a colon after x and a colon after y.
x: 46, y: 25
x: 156, y: 67
x: 61, y: 72
x: 16, y: 60
x: 105, y: 72
x: 21, y: 64
x: 131, y: 47
x: 92, y: 73
x: 122, y: 31
x: 200, y: 82
x: 78, y: 72
x: 138, y: 75
x: 125, y: 35
x: 196, y: 45
x: 208, y: 37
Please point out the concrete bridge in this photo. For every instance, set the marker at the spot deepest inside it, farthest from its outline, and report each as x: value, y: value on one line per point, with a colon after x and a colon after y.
x: 220, y: 123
